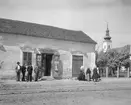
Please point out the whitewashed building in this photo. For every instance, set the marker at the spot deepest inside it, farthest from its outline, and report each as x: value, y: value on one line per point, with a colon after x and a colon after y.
x: 29, y: 43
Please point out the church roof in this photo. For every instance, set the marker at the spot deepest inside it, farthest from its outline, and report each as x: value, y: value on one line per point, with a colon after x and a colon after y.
x: 45, y: 31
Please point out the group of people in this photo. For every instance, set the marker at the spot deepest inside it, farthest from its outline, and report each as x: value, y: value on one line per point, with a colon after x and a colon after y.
x: 26, y: 71
x: 87, y: 75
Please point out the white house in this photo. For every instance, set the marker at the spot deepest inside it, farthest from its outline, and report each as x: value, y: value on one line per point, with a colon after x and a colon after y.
x: 31, y: 43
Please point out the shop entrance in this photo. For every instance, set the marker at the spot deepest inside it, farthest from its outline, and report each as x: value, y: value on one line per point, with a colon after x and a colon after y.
x: 48, y: 60
x: 45, y: 61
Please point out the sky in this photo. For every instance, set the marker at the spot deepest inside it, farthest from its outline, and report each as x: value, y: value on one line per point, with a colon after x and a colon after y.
x: 89, y: 16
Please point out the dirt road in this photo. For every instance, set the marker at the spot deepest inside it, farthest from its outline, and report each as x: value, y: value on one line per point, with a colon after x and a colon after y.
x: 65, y: 92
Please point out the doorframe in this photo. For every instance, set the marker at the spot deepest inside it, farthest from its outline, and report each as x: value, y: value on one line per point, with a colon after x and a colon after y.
x: 45, y: 59
x: 78, y: 56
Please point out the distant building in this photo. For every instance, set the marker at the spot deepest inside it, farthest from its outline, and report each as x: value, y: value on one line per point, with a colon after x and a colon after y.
x: 107, y: 46
x: 107, y: 43
x: 31, y: 43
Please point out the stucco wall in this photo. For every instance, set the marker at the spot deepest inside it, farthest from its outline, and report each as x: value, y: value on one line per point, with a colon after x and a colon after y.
x: 13, y: 42
x: 66, y: 58
x: 10, y: 57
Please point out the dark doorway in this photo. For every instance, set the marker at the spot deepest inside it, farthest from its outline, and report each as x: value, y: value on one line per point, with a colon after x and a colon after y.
x: 48, y: 64
x: 44, y: 60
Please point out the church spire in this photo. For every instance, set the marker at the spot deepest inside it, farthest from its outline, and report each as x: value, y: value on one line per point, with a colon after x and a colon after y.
x: 107, y: 43
x: 107, y: 37
x: 107, y: 26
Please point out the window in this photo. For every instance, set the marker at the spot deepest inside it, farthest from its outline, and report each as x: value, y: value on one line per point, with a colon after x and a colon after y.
x: 27, y: 58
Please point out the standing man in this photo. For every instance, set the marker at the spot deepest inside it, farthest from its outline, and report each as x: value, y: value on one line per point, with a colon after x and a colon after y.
x: 18, y: 70
x: 37, y: 71
x: 29, y: 70
x: 23, y: 69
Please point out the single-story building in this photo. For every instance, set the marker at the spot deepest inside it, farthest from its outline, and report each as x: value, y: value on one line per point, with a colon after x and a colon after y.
x: 31, y: 43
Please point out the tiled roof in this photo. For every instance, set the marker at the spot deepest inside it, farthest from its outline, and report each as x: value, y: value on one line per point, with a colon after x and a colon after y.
x: 38, y: 30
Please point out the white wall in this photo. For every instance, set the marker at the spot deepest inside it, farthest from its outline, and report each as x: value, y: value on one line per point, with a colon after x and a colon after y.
x: 10, y: 57
x: 13, y: 40
x: 12, y: 44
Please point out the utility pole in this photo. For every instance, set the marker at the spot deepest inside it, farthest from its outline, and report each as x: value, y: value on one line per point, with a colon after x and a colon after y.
x: 118, y: 72
x: 129, y: 69
x: 107, y: 72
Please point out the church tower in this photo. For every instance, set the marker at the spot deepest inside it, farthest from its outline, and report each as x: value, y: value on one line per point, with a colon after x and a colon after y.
x: 107, y: 43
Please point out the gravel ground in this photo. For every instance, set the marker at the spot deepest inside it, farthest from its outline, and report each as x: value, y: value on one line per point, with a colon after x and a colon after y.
x: 66, y: 92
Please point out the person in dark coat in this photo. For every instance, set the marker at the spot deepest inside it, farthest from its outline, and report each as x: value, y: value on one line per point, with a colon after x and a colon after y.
x: 18, y: 71
x: 81, y: 76
x: 98, y: 71
x: 29, y: 75
x: 95, y: 75
x: 23, y: 70
x: 88, y: 74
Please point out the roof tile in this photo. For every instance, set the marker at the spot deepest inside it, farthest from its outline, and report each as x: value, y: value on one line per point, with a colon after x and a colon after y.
x: 38, y: 30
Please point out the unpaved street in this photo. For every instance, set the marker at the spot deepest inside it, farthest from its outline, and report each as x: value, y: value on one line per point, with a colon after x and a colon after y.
x: 65, y: 92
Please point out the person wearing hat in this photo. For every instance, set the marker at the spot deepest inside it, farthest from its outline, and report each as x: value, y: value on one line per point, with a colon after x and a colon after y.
x: 29, y: 70
x: 18, y: 71
x: 23, y: 70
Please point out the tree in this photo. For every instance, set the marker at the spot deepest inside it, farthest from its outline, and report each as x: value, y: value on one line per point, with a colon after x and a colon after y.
x: 101, y: 59
x: 114, y: 58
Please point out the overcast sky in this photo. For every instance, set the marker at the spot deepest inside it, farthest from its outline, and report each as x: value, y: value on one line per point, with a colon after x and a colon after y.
x: 89, y: 16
